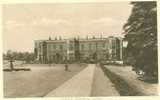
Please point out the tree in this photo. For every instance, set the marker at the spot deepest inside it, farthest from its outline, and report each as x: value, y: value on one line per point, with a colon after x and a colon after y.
x: 23, y: 56
x: 141, y: 34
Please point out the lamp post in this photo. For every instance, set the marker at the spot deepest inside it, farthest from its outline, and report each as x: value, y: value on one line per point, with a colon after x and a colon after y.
x: 124, y: 46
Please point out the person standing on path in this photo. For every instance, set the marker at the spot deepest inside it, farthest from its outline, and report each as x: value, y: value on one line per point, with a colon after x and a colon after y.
x: 66, y: 65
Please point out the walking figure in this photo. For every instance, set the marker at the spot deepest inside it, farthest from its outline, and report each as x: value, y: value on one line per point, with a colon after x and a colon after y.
x: 66, y: 67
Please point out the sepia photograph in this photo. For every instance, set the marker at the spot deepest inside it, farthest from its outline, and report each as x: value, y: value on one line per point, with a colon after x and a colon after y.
x: 85, y: 49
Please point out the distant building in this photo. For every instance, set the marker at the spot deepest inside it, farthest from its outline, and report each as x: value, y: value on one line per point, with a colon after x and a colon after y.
x: 84, y: 50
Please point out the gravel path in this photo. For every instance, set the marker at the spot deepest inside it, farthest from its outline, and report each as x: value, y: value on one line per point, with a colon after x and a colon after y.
x: 102, y: 86
x: 79, y: 85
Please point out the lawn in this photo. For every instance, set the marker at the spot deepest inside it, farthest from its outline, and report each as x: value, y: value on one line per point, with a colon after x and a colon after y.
x: 39, y: 81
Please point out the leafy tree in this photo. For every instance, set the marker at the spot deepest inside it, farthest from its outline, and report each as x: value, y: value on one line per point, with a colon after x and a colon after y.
x: 24, y: 56
x: 141, y: 34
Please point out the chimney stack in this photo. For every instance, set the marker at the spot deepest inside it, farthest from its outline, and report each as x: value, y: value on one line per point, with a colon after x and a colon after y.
x: 50, y: 38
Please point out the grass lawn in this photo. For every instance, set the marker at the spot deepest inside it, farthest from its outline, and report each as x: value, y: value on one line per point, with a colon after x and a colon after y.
x: 39, y: 81
x: 127, y: 83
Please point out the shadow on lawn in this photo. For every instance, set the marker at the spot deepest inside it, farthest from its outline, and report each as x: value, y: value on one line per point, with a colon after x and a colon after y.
x: 121, y: 85
x: 17, y: 69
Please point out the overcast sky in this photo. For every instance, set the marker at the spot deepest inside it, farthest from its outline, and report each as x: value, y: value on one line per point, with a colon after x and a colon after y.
x: 24, y: 23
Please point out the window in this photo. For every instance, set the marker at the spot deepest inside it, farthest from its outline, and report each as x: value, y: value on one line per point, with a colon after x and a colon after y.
x: 103, y: 45
x: 82, y: 46
x: 71, y: 47
x: 90, y: 46
x: 61, y: 47
x: 49, y: 47
x: 96, y: 45
x: 54, y: 46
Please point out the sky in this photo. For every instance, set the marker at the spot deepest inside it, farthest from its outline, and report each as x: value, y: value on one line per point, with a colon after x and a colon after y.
x: 24, y: 23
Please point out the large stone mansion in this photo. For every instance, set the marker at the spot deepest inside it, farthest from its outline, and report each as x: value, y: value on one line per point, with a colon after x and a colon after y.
x: 78, y: 49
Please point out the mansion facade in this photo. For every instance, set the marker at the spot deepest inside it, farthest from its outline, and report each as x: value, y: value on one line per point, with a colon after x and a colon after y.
x: 78, y: 49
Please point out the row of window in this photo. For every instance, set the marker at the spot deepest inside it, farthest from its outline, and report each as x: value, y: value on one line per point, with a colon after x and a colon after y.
x: 59, y: 46
x: 71, y: 47
x: 92, y: 45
